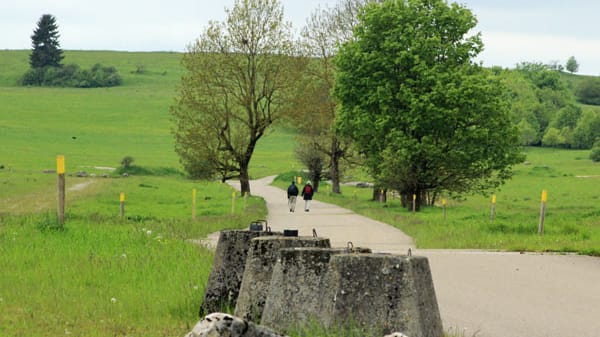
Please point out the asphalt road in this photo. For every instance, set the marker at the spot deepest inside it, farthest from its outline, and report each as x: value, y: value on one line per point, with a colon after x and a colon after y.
x: 479, y: 293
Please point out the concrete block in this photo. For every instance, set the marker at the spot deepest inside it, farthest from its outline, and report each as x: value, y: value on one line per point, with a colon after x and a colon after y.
x: 262, y: 256
x: 381, y: 294
x: 227, y: 270
x: 296, y: 289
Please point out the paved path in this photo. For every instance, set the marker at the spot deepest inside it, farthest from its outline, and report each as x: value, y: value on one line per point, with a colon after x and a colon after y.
x: 479, y: 293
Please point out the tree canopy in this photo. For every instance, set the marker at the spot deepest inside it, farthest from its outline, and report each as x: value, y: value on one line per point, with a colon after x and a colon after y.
x: 45, y: 46
x: 572, y: 65
x: 427, y: 118
x: 240, y: 74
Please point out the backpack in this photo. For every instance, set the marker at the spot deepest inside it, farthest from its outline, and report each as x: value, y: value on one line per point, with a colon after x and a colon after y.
x: 308, y: 189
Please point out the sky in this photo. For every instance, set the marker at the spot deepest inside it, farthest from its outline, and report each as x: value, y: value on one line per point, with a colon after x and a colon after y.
x: 513, y: 31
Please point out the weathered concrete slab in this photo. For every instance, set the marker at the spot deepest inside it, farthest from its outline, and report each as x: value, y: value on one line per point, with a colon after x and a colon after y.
x: 262, y: 256
x: 227, y: 271
x: 295, y: 297
x: 382, y: 294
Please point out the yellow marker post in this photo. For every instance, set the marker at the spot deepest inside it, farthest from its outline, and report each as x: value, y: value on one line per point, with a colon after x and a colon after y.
x: 299, y: 180
x: 542, y: 212
x: 122, y: 205
x: 233, y: 203
x: 60, y: 169
x: 414, y: 205
x: 444, y: 208
x: 60, y: 164
x: 493, y: 210
x: 193, y: 204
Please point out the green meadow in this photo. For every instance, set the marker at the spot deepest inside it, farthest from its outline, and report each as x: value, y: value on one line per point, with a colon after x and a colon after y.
x: 100, y: 275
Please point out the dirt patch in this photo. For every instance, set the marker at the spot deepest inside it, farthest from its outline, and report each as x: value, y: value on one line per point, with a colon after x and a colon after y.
x: 80, y: 186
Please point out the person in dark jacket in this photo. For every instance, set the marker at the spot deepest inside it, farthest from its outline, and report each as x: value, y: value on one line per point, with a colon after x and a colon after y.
x: 292, y: 194
x: 307, y: 194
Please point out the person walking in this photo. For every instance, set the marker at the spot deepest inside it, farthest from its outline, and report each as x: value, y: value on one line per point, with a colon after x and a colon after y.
x: 307, y: 194
x: 292, y: 194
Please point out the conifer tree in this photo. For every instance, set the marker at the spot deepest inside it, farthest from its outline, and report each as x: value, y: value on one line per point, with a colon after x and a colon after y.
x: 45, y: 46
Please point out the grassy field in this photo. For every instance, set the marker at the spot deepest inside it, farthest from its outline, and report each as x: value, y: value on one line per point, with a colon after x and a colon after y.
x: 141, y: 276
x: 99, y: 275
x: 572, y: 222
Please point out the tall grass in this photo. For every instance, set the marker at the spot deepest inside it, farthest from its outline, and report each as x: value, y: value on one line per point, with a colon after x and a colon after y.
x: 99, y: 275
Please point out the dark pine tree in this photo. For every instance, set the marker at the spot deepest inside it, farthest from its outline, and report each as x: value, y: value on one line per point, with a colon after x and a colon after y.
x: 46, y: 48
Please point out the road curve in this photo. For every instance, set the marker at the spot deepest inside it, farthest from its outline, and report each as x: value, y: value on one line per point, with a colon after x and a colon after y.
x: 483, y: 294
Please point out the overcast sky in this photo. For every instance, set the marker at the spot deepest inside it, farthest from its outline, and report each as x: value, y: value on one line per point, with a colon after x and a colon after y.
x: 513, y: 30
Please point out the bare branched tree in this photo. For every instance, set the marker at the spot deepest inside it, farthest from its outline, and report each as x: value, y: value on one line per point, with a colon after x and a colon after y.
x: 240, y: 74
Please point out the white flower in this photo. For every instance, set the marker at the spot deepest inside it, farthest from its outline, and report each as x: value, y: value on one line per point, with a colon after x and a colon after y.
x: 113, y: 300
x: 195, y: 287
x: 149, y: 232
x: 123, y: 256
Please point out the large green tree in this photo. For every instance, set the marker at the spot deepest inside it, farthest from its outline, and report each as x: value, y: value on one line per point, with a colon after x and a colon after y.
x: 46, y: 50
x: 239, y: 76
x: 425, y: 115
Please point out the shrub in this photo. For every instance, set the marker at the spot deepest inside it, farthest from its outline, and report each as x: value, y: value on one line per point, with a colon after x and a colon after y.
x: 72, y: 76
x: 588, y: 91
x: 595, y: 153
x: 126, y: 162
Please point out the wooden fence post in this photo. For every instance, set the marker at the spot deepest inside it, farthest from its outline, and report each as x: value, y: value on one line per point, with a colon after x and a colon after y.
x: 60, y: 170
x: 233, y: 203
x: 542, y: 212
x: 193, y: 204
x: 122, y: 205
x: 493, y: 210
x: 444, y: 208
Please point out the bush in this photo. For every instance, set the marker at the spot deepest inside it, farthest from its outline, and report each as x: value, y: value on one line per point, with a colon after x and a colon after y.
x: 126, y: 162
x: 588, y: 91
x: 595, y: 153
x: 72, y: 76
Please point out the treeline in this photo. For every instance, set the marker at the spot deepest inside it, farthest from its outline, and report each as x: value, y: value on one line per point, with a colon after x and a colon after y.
x: 546, y: 110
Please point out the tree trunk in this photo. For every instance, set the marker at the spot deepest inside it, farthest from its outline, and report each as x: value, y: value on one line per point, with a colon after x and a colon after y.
x: 407, y: 200
x: 244, y: 179
x: 379, y: 194
x: 316, y: 179
x: 334, y: 170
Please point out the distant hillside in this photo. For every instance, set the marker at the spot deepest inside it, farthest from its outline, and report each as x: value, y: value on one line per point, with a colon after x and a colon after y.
x: 163, y: 68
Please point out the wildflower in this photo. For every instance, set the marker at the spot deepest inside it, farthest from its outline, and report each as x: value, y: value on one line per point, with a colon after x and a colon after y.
x: 113, y: 300
x: 149, y: 232
x: 123, y: 256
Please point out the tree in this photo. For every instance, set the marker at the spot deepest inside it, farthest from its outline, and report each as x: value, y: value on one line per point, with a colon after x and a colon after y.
x: 595, y: 153
x: 46, y: 50
x: 588, y: 91
x: 587, y: 130
x: 325, y: 30
x: 239, y: 76
x: 553, y: 138
x: 572, y: 66
x: 427, y: 118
